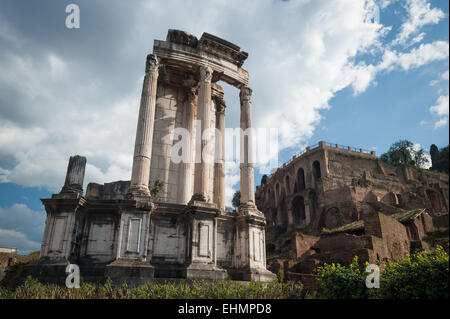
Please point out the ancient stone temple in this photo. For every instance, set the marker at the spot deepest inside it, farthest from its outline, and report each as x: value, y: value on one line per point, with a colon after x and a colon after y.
x: 120, y: 230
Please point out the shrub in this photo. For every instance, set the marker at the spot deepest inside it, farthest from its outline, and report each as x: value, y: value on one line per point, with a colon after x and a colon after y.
x: 342, y: 282
x: 421, y: 276
x: 424, y: 275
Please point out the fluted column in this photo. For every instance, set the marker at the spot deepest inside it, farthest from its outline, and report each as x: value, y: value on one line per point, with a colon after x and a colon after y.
x: 75, y: 175
x: 246, y: 158
x: 144, y: 133
x: 219, y: 165
x: 186, y: 176
x: 204, y: 104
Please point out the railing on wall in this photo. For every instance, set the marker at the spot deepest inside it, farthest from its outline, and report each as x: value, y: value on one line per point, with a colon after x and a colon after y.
x: 350, y: 148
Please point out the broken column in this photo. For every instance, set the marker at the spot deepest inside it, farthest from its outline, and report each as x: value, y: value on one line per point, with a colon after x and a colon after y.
x: 75, y: 175
x: 144, y: 134
x: 65, y: 215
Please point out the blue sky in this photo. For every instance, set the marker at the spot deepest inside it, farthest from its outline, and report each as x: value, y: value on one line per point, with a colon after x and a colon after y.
x: 319, y: 70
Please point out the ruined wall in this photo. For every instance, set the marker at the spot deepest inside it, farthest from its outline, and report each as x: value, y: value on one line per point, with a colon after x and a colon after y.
x: 351, y: 184
x: 393, y: 233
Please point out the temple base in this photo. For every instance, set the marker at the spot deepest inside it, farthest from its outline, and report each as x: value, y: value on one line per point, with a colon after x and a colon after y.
x: 256, y: 274
x: 133, y: 273
x: 205, y: 272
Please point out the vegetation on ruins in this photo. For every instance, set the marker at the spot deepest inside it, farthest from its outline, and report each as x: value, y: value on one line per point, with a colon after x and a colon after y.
x: 404, y: 152
x: 439, y: 159
x: 424, y: 275
x: 156, y: 188
x: 224, y: 289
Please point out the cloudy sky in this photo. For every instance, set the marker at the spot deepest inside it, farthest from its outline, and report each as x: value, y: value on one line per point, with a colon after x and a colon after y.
x: 361, y: 73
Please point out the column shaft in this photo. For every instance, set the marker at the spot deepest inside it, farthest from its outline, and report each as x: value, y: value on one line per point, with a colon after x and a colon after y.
x: 204, y: 105
x: 246, y: 154
x: 219, y: 165
x: 144, y: 133
x: 186, y: 180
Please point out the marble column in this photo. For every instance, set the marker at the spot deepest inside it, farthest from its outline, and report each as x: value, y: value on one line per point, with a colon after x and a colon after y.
x: 186, y: 176
x: 204, y: 105
x: 219, y: 165
x: 144, y: 134
x: 246, y: 157
x: 75, y: 175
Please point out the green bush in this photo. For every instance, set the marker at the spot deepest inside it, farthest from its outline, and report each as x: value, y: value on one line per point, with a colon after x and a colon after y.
x: 342, y: 282
x: 224, y: 289
x: 420, y: 276
x: 424, y: 275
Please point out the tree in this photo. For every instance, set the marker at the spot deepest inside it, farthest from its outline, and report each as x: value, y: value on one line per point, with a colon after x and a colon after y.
x: 404, y: 152
x: 236, y: 201
x: 434, y: 153
x: 443, y: 161
x: 439, y: 159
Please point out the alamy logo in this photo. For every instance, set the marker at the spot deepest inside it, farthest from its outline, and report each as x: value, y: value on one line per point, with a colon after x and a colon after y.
x: 73, y: 276
x: 373, y: 279
x: 73, y: 19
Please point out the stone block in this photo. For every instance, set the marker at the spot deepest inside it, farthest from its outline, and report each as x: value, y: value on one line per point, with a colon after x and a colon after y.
x: 131, y: 272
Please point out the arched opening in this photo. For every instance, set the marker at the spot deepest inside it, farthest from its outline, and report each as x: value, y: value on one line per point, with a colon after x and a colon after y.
x: 288, y: 186
x: 390, y: 199
x: 301, y: 179
x: 283, y: 209
x: 316, y: 170
x: 313, y: 204
x: 298, y: 210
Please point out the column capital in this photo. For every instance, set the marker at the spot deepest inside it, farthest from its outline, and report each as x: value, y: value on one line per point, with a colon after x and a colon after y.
x: 245, y: 93
x: 206, y: 73
x: 191, y: 93
x: 152, y: 64
x: 220, y: 104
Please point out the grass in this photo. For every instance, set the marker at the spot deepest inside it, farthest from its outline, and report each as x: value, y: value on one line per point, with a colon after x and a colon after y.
x: 224, y: 289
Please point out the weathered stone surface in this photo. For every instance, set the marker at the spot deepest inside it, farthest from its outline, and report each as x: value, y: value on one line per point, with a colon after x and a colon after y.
x: 118, y: 230
x: 75, y: 175
x: 329, y: 186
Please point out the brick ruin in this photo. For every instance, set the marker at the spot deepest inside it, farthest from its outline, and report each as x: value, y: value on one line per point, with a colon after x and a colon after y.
x: 333, y: 202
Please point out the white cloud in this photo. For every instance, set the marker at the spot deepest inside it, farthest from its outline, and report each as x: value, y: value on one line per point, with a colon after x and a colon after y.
x: 299, y: 58
x: 441, y: 108
x: 11, y: 238
x: 385, y: 3
x: 417, y: 57
x: 21, y: 227
x: 419, y: 14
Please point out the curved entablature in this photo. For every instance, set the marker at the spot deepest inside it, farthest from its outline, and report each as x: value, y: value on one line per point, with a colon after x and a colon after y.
x: 185, y: 51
